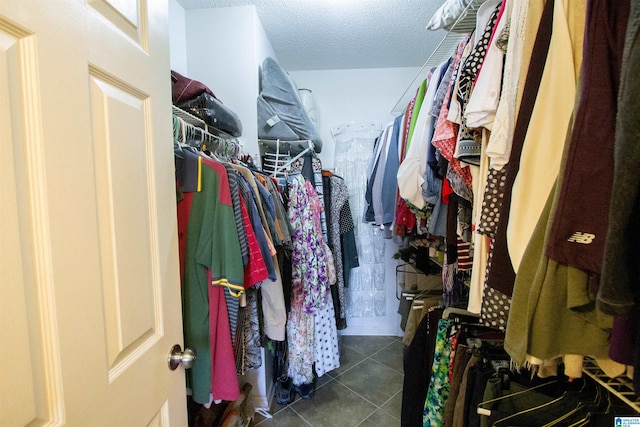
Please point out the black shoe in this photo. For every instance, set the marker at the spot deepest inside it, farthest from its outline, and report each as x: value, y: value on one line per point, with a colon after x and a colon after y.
x: 304, y: 390
x: 284, y: 392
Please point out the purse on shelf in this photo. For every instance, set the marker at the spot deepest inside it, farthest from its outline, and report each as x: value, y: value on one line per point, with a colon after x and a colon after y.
x: 214, y: 113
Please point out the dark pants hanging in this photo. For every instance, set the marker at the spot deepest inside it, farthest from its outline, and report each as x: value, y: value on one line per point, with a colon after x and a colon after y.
x: 417, y: 361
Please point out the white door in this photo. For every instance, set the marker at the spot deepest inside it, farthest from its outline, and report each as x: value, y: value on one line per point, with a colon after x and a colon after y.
x: 89, y: 277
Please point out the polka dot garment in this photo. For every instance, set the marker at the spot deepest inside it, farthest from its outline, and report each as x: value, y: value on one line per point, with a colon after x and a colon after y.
x: 490, y: 213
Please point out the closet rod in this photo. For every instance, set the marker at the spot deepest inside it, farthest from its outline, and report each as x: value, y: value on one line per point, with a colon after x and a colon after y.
x: 186, y: 132
x: 454, y: 310
x: 196, y: 127
x: 446, y: 48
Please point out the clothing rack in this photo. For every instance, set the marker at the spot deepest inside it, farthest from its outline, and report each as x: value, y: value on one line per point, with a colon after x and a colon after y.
x: 188, y: 128
x: 462, y: 26
x: 450, y: 312
x: 285, y: 146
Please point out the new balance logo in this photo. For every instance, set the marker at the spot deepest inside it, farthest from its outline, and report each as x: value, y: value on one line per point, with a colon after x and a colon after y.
x: 580, y: 237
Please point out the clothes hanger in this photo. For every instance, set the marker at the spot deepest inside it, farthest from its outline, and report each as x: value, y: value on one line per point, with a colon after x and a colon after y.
x: 543, y: 409
x: 586, y: 420
x: 506, y: 421
x: 418, y: 304
x: 199, y: 138
x: 581, y: 406
x: 483, y: 409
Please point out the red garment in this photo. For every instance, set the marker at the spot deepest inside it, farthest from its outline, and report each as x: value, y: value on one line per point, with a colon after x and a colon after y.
x: 223, y: 183
x: 446, y: 191
x: 452, y: 356
x: 446, y: 133
x: 183, y: 88
x: 224, y: 380
x: 256, y: 270
x: 404, y: 217
x: 465, y: 258
x: 184, y: 209
x: 187, y: 178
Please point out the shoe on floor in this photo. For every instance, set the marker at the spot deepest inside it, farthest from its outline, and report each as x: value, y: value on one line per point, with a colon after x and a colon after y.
x: 305, y: 390
x: 285, y: 393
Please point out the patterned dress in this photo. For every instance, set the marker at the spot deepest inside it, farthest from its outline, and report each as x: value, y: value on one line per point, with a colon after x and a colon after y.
x: 311, y: 328
x: 439, y: 385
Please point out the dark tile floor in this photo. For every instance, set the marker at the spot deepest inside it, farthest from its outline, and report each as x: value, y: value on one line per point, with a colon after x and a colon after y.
x: 365, y: 391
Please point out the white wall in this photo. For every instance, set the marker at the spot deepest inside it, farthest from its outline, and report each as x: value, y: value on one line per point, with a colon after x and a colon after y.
x: 358, y: 95
x: 225, y: 47
x: 263, y: 45
x: 177, y: 38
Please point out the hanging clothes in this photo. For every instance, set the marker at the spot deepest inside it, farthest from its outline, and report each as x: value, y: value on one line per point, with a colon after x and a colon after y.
x: 501, y: 275
x: 212, y: 257
x: 413, y: 167
x: 438, y: 391
x: 389, y: 186
x: 247, y: 346
x: 446, y: 131
x: 577, y: 236
x: 230, y: 215
x: 525, y: 224
x: 310, y: 275
x: 417, y: 364
x: 483, y: 100
x: 273, y: 304
x: 523, y: 25
x: 547, y: 128
x: 468, y: 146
x: 378, y: 178
x: 310, y: 288
x: 405, y: 220
x: 337, y: 200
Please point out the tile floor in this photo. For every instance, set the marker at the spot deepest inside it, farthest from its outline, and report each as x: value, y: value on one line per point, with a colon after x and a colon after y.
x: 365, y: 391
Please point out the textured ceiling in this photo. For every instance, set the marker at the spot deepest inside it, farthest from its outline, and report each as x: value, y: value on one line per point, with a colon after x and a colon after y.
x: 340, y: 34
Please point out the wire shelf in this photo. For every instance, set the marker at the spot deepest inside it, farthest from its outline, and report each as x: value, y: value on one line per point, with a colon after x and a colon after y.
x: 195, y: 127
x: 621, y: 386
x: 199, y: 123
x: 445, y: 49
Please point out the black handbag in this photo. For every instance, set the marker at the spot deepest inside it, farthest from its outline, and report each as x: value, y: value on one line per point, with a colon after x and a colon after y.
x: 214, y: 113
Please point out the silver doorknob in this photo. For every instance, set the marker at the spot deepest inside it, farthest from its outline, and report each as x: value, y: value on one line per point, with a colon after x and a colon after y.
x: 177, y: 356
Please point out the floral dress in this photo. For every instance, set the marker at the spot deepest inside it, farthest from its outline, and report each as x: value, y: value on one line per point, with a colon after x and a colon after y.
x: 311, y: 329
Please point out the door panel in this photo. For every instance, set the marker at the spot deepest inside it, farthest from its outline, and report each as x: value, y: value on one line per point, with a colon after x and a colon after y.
x: 32, y: 382
x: 126, y: 15
x: 131, y: 288
x: 19, y: 375
x: 89, y: 238
x: 161, y: 418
